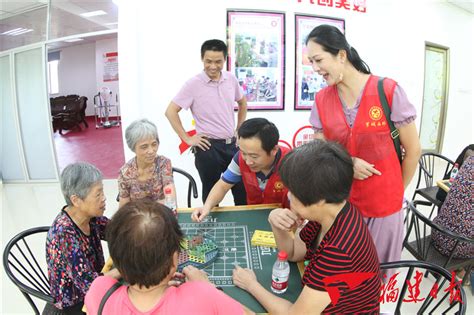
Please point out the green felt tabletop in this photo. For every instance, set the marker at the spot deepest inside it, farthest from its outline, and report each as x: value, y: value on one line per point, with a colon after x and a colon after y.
x: 232, y: 230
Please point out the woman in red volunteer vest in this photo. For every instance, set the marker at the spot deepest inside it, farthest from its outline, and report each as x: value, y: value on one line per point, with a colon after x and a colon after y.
x: 256, y: 164
x: 349, y: 111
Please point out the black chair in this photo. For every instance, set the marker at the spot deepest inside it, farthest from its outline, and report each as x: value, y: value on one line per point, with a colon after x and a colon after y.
x: 418, y: 242
x: 25, y: 268
x: 430, y: 305
x: 432, y: 167
x: 192, y: 187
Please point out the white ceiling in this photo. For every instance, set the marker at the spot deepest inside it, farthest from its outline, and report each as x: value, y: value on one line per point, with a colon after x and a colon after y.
x: 467, y: 5
x: 65, y: 19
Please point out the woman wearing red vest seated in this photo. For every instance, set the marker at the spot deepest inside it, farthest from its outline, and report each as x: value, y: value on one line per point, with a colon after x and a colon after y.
x: 256, y: 165
x: 348, y: 111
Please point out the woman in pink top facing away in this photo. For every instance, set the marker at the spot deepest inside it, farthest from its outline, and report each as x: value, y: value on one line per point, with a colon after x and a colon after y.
x: 144, y: 241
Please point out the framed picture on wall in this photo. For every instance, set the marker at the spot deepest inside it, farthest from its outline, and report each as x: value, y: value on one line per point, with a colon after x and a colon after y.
x: 257, y: 56
x: 308, y: 82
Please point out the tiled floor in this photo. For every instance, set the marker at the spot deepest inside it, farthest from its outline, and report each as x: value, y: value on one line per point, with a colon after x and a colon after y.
x: 24, y: 206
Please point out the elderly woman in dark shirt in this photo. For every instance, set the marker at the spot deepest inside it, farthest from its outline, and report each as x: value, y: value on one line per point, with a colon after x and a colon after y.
x: 73, y: 246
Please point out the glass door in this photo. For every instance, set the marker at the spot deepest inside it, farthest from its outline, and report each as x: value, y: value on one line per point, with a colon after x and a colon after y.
x: 435, y: 95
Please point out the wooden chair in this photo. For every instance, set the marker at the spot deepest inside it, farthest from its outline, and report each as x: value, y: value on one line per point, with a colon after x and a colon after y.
x: 68, y: 112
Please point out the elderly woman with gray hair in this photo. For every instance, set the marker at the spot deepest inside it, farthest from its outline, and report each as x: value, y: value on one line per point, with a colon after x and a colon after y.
x: 73, y: 245
x: 147, y: 174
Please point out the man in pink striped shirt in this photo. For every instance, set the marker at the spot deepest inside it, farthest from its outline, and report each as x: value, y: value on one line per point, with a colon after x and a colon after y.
x: 211, y: 95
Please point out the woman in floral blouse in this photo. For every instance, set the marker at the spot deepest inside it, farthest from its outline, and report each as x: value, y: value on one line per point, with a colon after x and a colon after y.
x: 457, y: 213
x: 147, y: 174
x: 73, y: 248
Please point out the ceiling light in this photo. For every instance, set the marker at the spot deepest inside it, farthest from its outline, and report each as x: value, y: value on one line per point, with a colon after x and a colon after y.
x: 17, y: 31
x: 73, y: 40
x: 12, y: 31
x: 21, y: 32
x: 93, y: 13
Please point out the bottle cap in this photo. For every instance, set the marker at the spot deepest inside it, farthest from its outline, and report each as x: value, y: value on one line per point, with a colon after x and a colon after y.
x: 282, y: 255
x: 167, y: 190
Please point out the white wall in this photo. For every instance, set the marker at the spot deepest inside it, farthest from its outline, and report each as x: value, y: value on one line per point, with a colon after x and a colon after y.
x: 77, y: 73
x: 81, y: 70
x: 160, y: 49
x: 102, y: 47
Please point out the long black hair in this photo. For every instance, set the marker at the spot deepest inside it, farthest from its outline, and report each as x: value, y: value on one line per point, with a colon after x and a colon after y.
x: 332, y: 40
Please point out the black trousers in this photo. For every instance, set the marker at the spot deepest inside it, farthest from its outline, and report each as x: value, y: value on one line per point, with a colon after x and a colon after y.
x: 212, y: 163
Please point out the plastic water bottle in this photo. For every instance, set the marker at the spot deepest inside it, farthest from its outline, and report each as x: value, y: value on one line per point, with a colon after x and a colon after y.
x: 170, y: 202
x: 454, y: 172
x: 280, y: 273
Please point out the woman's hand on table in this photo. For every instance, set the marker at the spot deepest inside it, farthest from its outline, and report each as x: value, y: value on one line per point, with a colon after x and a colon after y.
x: 363, y: 169
x: 283, y: 219
x: 244, y: 278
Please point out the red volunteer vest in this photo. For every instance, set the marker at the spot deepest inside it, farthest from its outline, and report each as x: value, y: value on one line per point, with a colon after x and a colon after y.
x: 368, y: 139
x: 275, y: 191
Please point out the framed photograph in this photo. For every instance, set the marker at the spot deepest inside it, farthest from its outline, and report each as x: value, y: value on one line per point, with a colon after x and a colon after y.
x: 308, y: 82
x: 257, y: 56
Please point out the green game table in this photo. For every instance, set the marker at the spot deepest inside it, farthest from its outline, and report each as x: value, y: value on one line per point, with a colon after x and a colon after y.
x: 232, y: 228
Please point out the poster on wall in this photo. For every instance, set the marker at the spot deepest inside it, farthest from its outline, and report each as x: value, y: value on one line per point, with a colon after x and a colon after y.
x: 257, y: 56
x: 308, y: 82
x: 111, y: 67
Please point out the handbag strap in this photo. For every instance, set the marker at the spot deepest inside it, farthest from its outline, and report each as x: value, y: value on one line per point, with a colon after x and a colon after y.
x: 107, y: 295
x: 386, y: 109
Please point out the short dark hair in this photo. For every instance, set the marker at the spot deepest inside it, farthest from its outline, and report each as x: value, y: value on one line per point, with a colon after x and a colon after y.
x: 262, y: 129
x: 316, y: 171
x: 142, y: 237
x: 213, y: 45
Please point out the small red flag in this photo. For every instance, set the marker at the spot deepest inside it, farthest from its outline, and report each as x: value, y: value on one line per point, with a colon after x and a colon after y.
x: 183, y: 145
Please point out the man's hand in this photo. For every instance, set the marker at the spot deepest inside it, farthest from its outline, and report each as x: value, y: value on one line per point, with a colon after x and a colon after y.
x: 283, y: 219
x: 199, y: 141
x: 363, y: 169
x: 244, y: 278
x: 193, y: 274
x: 199, y: 214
